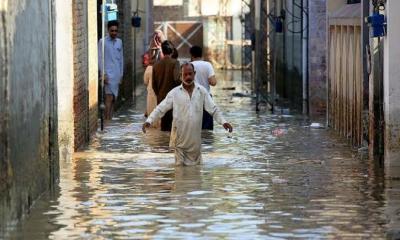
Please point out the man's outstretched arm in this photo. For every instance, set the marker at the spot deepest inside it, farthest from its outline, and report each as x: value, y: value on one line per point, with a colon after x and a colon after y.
x: 213, y: 110
x: 159, y: 111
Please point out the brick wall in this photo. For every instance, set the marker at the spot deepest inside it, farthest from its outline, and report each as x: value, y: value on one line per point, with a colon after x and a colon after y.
x: 80, y: 73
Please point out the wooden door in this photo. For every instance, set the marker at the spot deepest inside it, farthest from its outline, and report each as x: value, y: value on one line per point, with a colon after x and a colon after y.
x: 183, y: 34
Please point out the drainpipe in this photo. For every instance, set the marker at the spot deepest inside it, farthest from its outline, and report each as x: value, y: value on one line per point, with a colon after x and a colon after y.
x: 103, y: 27
x: 328, y: 63
x: 147, y: 24
x: 134, y: 54
x: 257, y: 7
x: 304, y: 35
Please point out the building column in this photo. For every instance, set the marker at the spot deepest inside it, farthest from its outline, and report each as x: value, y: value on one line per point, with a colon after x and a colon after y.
x: 317, y: 58
x: 65, y: 77
x: 392, y: 90
x: 93, y: 78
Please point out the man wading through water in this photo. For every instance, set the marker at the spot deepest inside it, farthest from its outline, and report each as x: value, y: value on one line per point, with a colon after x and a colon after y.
x: 113, y: 64
x: 187, y: 101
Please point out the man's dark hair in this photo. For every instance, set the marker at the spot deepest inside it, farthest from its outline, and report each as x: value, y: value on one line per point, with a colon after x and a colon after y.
x: 167, y: 47
x: 196, y: 51
x: 112, y: 23
x: 187, y: 64
x: 175, y: 54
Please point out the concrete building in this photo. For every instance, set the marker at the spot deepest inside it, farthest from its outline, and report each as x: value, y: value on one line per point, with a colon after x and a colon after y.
x: 49, y: 89
x: 363, y: 88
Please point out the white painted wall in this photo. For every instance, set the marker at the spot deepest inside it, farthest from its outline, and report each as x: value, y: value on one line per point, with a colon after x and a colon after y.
x: 236, y: 36
x: 392, y: 89
x: 92, y: 55
x: 333, y: 5
x: 64, y: 64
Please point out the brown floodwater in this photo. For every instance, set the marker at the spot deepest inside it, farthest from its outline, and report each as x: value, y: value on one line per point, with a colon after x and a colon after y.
x: 273, y: 178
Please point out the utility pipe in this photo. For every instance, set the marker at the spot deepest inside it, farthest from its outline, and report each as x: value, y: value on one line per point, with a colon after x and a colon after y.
x: 304, y: 33
x: 257, y: 7
x: 102, y: 105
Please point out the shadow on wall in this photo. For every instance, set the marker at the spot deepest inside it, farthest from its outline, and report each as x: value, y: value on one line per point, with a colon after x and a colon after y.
x: 5, y: 166
x: 289, y: 86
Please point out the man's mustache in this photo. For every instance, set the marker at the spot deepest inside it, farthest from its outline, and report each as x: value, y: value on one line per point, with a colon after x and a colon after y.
x: 188, y: 82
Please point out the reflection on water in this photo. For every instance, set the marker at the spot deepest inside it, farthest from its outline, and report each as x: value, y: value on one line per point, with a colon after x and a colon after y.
x: 273, y: 178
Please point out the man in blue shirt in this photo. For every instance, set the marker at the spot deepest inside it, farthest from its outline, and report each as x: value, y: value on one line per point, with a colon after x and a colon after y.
x: 113, y: 66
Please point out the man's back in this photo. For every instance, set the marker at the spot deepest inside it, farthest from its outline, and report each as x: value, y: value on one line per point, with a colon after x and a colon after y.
x: 204, y: 71
x: 165, y: 77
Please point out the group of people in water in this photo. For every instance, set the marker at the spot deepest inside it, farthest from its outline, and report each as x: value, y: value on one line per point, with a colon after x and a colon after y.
x: 178, y: 95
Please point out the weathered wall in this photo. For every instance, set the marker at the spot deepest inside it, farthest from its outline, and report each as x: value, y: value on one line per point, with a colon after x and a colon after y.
x: 317, y: 57
x: 148, y: 23
x: 27, y: 92
x: 125, y: 33
x: 142, y: 37
x: 392, y: 90
x: 333, y: 5
x: 65, y: 77
x: 4, y: 160
x: 93, y: 79
x: 286, y: 53
x: 172, y: 13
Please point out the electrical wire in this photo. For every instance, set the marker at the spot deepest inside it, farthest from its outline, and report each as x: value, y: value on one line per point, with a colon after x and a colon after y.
x: 297, y: 18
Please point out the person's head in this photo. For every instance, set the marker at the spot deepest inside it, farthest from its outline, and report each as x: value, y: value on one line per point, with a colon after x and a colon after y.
x: 159, y: 36
x: 156, y: 39
x: 146, y: 60
x: 112, y: 27
x: 175, y: 54
x: 196, y: 52
x: 187, y: 70
x: 167, y: 47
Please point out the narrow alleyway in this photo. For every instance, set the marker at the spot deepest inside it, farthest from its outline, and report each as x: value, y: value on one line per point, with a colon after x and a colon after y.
x: 274, y: 177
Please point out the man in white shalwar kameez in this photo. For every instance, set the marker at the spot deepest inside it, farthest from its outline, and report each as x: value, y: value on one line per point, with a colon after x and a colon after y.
x: 113, y: 65
x: 187, y: 101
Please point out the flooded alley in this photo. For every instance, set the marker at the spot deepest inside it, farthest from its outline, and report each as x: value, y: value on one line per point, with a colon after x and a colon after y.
x: 274, y: 177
